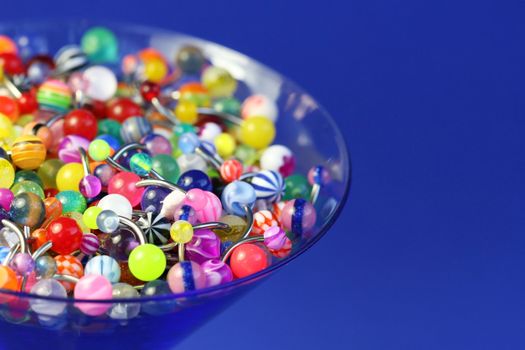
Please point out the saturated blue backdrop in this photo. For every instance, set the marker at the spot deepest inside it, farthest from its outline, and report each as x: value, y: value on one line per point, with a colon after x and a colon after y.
x: 430, y: 251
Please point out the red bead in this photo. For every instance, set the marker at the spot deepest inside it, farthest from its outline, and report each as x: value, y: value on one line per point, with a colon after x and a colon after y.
x: 124, y: 183
x: 50, y: 192
x: 231, y: 170
x: 263, y: 220
x: 98, y: 108
x: 248, y: 259
x: 65, y: 234
x: 12, y: 64
x: 27, y: 103
x: 149, y: 90
x: 81, y: 122
x: 123, y: 108
x: 9, y: 108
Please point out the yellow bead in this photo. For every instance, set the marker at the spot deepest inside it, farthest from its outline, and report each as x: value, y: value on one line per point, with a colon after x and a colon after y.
x: 219, y: 82
x: 225, y: 144
x: 155, y: 70
x: 28, y: 152
x: 69, y: 176
x: 181, y: 231
x: 6, y: 128
x: 90, y: 217
x: 257, y: 132
x: 186, y: 112
x: 7, y: 173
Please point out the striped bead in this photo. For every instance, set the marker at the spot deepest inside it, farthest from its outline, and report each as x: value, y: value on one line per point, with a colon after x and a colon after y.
x: 268, y: 185
x: 231, y: 170
x: 54, y: 95
x: 28, y: 152
x: 89, y: 244
x: 104, y: 265
x: 69, y: 59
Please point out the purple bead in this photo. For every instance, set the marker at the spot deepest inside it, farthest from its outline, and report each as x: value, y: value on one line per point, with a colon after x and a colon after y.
x: 104, y: 173
x: 68, y: 148
x: 89, y: 244
x: 157, y: 144
x: 274, y: 237
x: 6, y: 197
x: 119, y: 244
x: 23, y: 264
x: 90, y: 186
x: 216, y: 272
x: 204, y: 245
x: 153, y: 198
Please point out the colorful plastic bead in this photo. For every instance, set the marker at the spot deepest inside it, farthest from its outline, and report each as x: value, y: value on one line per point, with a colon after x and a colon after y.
x: 204, y: 245
x: 248, y: 259
x: 262, y: 221
x: 69, y: 177
x: 278, y: 158
x: 54, y: 95
x: 298, y: 216
x: 186, y: 276
x: 27, y: 209
x: 93, y: 287
x: 190, y: 59
x: 147, y: 262
x: 219, y: 82
x: 105, y: 266
x: 237, y: 196
x: 217, y: 272
x: 124, y: 183
x: 45, y: 266
x: 6, y: 198
x: 259, y: 106
x: 70, y: 266
x: 134, y: 129
x: 100, y: 45
x: 72, y: 201
x: 65, y: 234
x: 257, y: 132
x: 207, y: 205
x: 124, y: 311
x: 117, y: 203
x: 181, y: 232
x: 268, y: 185
x: 231, y: 170
x: 108, y: 221
x: 48, y: 288
x: 195, y: 179
x: 7, y: 173
x: 89, y: 244
x: 28, y: 152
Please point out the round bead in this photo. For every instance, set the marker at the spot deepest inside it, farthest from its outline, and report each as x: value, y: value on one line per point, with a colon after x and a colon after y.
x: 48, y: 172
x: 108, y: 221
x: 166, y: 166
x: 190, y: 59
x: 81, y: 122
x: 70, y: 58
x: 65, y: 234
x: 149, y: 90
x: 191, y: 162
x: 23, y: 264
x: 70, y: 266
x: 122, y: 108
x: 48, y: 287
x: 216, y: 272
x: 209, y: 131
x: 93, y: 287
x: 90, y: 186
x: 154, y: 289
x: 155, y: 70
x: 186, y: 112
x: 153, y: 198
x: 89, y: 244
x: 134, y: 129
x: 298, y: 216
x: 54, y: 95
x: 140, y: 164
x: 157, y: 144
x: 45, y: 267
x: 204, y: 245
x: 225, y: 144
x: 124, y: 311
x: 9, y: 108
x: 188, y: 142
x: 99, y: 150
x: 28, y: 186
x: 259, y: 106
x: 101, y: 83
x: 186, y: 276
x: 119, y: 244
x: 231, y: 170
x: 219, y: 82
x: 28, y: 175
x: 236, y: 196
x: 90, y: 217
x: 124, y: 183
x: 28, y: 152
x: 237, y: 228
x: 318, y: 175
x: 8, y: 279
x: 296, y: 186
x: 69, y: 177
x: 248, y: 259
x: 104, y: 172
x: 195, y: 179
x: 228, y: 105
x: 181, y: 232
x: 207, y: 205
x: 118, y: 203
x: 68, y: 148
x: 7, y: 173
x: 100, y: 45
x: 103, y: 265
x: 147, y: 262
x: 27, y: 209
x: 257, y: 132
x: 268, y: 185
x: 275, y: 238
x: 72, y: 201
x: 6, y: 198
x: 262, y: 221
x: 278, y: 158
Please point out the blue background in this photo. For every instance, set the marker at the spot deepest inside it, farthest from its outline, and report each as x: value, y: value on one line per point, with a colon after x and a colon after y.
x: 430, y: 251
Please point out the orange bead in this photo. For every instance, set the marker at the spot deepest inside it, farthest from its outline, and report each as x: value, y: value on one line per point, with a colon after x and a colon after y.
x: 9, y: 108
x: 7, y: 45
x: 193, y: 88
x: 150, y: 54
x: 40, y: 131
x: 38, y: 238
x: 8, y: 279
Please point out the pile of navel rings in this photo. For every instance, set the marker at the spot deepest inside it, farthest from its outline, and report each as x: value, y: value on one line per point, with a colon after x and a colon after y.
x: 148, y: 181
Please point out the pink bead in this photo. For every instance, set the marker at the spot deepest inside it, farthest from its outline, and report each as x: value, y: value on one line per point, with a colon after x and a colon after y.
x: 274, y: 238
x: 89, y: 244
x: 124, y: 183
x: 208, y: 206
x: 93, y: 287
x: 6, y: 197
x: 298, y: 216
x: 186, y: 276
x: 204, y: 245
x: 216, y: 272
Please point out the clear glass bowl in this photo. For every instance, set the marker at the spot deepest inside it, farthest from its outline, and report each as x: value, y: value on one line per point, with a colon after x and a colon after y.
x: 303, y: 125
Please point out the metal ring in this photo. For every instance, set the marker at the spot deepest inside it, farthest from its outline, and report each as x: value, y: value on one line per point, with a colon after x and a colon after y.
x: 18, y: 232
x: 136, y: 230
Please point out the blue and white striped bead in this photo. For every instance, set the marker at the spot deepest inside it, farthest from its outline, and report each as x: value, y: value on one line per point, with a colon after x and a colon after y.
x: 105, y: 266
x: 268, y: 185
x: 70, y: 58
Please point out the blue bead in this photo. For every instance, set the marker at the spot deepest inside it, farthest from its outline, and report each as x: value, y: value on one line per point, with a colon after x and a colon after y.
x: 153, y: 199
x: 236, y: 196
x: 105, y: 266
x: 188, y: 142
x: 112, y: 141
x: 268, y: 185
x: 195, y: 179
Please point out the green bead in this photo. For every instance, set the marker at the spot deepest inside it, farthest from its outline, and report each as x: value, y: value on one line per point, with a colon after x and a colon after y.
x: 110, y: 127
x: 166, y: 166
x: 140, y: 164
x: 28, y: 186
x: 182, y: 129
x: 28, y: 175
x: 48, y: 172
x: 90, y: 217
x: 100, y: 45
x: 228, y: 105
x: 72, y: 201
x: 246, y: 154
x: 212, y: 172
x: 296, y: 187
x: 99, y: 150
x: 147, y: 262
